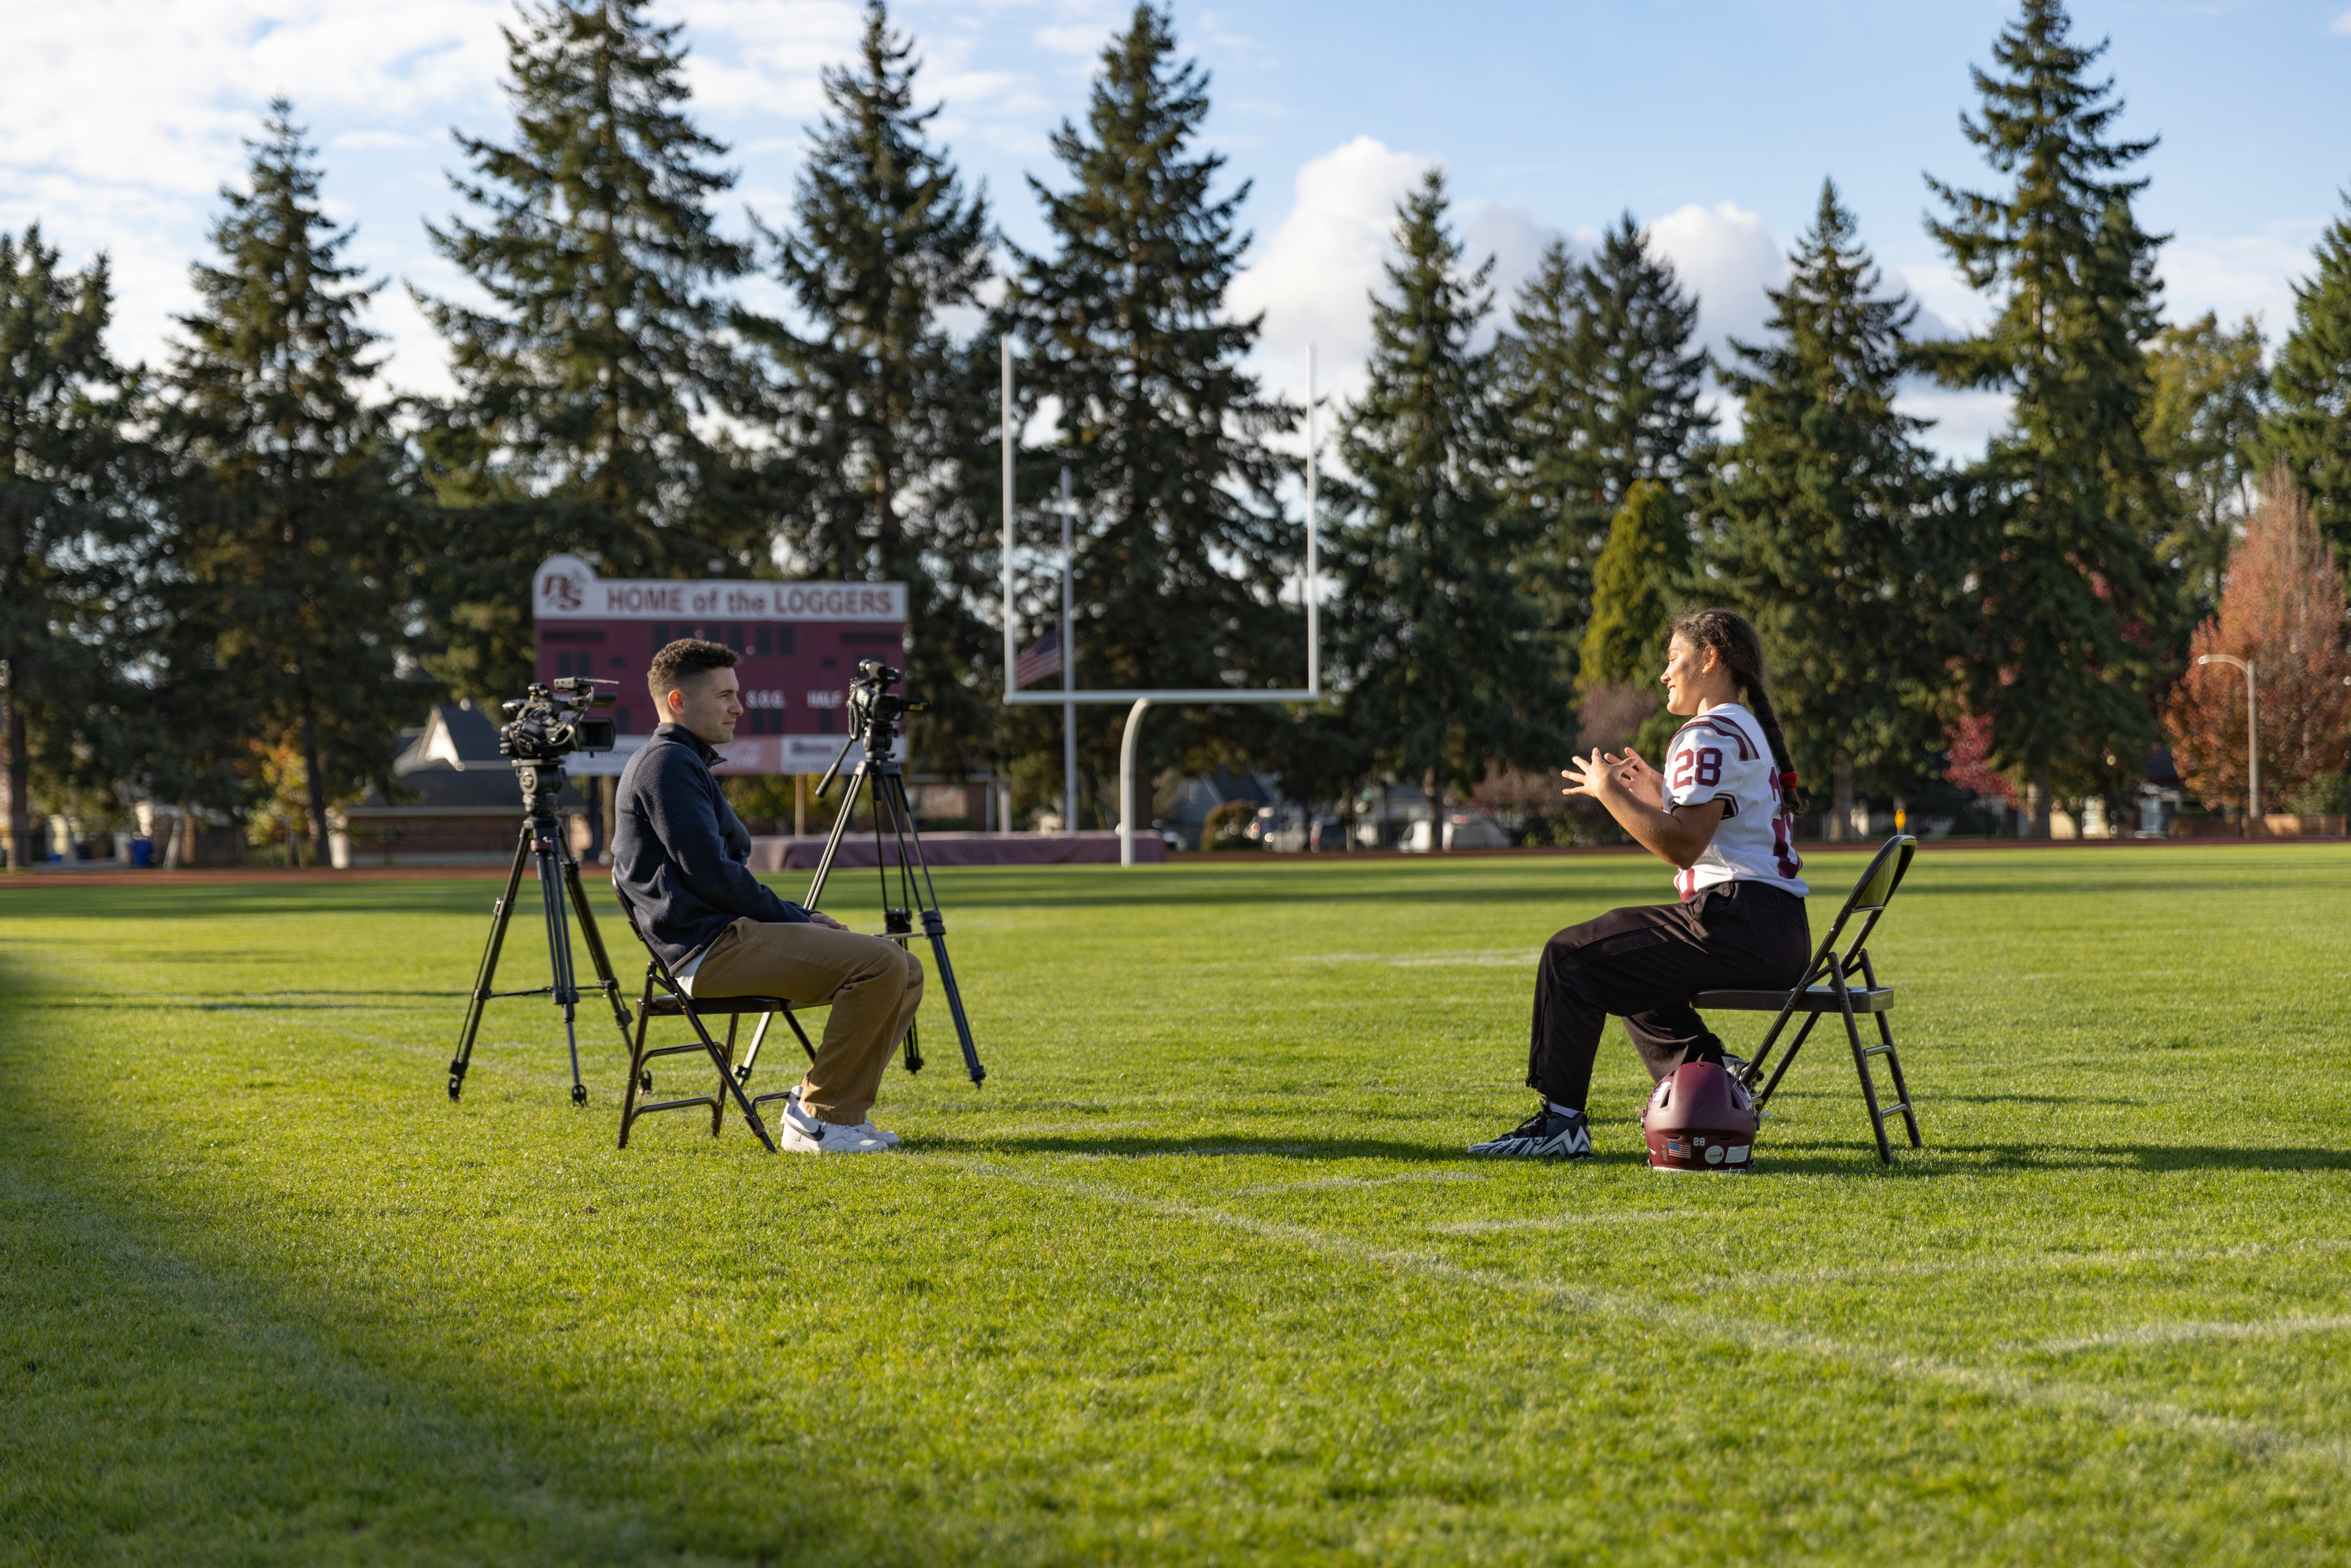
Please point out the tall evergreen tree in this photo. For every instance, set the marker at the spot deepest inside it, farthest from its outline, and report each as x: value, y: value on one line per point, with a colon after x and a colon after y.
x: 1435, y: 635
x: 1601, y: 384
x: 1184, y: 549
x: 888, y: 453
x: 2310, y: 428
x: 278, y: 538
x: 1635, y: 587
x: 2072, y: 598
x: 585, y: 383
x: 61, y: 411
x: 2210, y: 392
x: 1820, y: 521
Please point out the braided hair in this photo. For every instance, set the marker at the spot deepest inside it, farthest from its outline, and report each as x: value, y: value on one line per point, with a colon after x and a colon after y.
x: 1739, y: 646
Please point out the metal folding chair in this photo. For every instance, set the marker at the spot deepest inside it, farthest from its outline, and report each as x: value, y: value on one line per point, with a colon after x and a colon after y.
x: 732, y: 1075
x: 1826, y: 988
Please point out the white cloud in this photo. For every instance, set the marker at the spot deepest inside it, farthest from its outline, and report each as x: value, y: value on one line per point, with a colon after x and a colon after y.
x: 1515, y: 238
x: 1727, y: 258
x: 2341, y: 25
x: 2240, y: 274
x: 1313, y: 276
x: 1964, y: 420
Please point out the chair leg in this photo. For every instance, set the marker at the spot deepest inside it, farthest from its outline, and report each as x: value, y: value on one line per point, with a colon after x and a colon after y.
x: 725, y: 1075
x: 1787, y: 1060
x: 636, y: 1063
x: 1762, y: 1056
x: 727, y: 1086
x: 808, y: 1047
x: 1901, y: 1087
x: 1868, y: 1088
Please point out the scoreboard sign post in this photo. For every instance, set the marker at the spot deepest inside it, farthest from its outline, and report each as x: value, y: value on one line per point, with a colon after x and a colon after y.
x: 799, y: 643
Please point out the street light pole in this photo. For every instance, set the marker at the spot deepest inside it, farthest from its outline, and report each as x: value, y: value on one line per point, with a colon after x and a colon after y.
x: 2252, y: 735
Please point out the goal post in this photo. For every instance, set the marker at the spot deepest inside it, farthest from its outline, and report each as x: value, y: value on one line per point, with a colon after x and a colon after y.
x: 1142, y: 700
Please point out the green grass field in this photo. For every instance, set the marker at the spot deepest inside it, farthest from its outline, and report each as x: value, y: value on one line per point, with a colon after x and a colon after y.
x: 1201, y: 1275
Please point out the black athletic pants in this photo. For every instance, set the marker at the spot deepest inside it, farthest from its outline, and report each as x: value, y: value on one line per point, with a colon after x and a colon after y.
x: 1645, y: 964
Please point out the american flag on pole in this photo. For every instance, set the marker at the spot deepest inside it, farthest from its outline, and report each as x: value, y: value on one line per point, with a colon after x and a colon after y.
x: 1039, y: 660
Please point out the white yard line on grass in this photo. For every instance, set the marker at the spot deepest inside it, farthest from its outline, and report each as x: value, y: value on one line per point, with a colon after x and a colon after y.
x: 2249, y: 1439
x: 1336, y: 1184
x: 1484, y: 957
x: 1565, y: 1221
x: 2181, y: 1333
x: 2036, y: 1263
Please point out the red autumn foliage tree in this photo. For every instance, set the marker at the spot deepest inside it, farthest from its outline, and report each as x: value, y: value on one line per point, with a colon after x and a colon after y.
x: 2281, y: 608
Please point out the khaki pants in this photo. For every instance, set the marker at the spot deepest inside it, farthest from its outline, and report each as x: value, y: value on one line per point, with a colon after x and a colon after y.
x: 873, y: 985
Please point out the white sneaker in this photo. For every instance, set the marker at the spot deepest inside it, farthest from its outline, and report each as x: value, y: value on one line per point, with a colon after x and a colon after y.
x: 804, y: 1134
x: 792, y: 1098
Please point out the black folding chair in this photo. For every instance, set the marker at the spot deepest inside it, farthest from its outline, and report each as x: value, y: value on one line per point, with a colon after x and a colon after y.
x: 1826, y: 988
x: 732, y: 1076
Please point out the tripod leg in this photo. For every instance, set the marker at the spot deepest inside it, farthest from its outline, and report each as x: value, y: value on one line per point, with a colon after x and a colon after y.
x: 487, y: 973
x: 832, y: 839
x: 935, y: 925
x: 751, y: 1056
x: 551, y: 895
x: 588, y: 933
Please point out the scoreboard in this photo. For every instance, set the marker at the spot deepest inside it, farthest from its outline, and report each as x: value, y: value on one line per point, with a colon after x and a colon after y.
x: 799, y: 643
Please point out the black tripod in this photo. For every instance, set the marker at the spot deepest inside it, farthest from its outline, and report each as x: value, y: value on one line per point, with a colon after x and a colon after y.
x: 543, y: 834
x: 873, y: 723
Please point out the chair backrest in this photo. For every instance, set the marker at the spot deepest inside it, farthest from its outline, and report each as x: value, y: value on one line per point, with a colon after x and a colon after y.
x: 660, y: 968
x: 1868, y: 900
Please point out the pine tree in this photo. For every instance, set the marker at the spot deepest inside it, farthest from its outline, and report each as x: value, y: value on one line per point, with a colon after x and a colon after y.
x: 2071, y: 600
x: 1635, y: 590
x: 1184, y: 549
x: 2310, y: 428
x: 2209, y: 394
x: 586, y: 382
x: 1438, y: 641
x: 1601, y: 385
x: 1819, y: 521
x: 61, y: 411
x: 888, y: 452
x: 278, y: 532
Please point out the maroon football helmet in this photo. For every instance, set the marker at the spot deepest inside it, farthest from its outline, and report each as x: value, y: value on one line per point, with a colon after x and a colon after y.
x: 1701, y: 1119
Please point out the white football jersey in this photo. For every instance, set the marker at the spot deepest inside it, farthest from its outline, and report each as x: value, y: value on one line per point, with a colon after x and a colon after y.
x: 1720, y: 756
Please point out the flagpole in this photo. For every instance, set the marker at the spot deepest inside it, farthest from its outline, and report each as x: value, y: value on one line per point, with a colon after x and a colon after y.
x: 1069, y: 670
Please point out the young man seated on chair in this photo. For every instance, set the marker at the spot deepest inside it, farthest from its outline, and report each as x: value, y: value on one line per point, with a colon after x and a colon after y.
x: 679, y: 862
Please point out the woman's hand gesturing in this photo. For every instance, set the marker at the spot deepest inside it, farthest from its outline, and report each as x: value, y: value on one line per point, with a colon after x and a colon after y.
x: 1603, y: 774
x: 1645, y: 782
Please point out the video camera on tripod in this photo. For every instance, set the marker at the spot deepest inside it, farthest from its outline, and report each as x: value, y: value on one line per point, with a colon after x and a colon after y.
x: 547, y: 724
x: 551, y: 722
x: 874, y: 714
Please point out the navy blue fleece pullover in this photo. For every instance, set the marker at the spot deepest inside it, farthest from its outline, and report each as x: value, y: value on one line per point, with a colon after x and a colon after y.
x: 679, y: 850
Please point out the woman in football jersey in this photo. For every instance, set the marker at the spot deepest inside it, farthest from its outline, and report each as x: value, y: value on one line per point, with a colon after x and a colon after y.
x: 1721, y: 813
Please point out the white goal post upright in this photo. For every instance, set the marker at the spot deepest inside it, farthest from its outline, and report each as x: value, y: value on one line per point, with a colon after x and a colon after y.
x: 1142, y: 700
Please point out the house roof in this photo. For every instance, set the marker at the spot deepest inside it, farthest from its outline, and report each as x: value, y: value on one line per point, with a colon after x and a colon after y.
x: 452, y: 759
x: 456, y: 736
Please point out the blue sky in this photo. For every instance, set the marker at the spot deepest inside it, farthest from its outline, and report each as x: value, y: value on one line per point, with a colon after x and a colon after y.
x: 1714, y: 122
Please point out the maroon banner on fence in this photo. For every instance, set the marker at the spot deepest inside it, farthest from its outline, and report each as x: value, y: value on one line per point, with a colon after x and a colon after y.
x: 857, y: 851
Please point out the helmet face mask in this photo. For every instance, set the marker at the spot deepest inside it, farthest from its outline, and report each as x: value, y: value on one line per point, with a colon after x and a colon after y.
x: 1700, y: 1118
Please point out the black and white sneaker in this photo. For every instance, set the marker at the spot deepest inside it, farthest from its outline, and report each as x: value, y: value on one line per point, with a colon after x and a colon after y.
x: 1546, y: 1135
x: 1737, y: 1067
